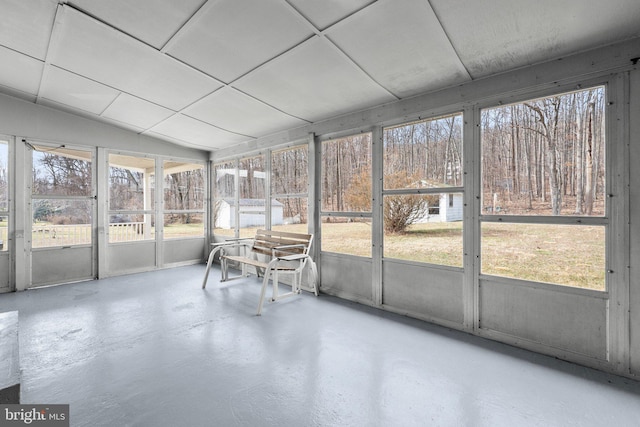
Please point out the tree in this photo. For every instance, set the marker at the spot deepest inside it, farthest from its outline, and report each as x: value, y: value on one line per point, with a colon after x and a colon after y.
x: 399, y: 211
x: 548, y: 112
x: 546, y: 156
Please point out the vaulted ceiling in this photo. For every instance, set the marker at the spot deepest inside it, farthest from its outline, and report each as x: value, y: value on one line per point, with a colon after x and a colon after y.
x: 213, y: 73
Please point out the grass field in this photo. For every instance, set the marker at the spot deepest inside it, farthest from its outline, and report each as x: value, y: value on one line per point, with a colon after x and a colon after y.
x: 172, y: 231
x: 566, y: 255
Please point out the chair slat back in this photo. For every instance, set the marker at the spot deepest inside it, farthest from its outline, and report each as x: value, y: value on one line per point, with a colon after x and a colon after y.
x: 266, y: 240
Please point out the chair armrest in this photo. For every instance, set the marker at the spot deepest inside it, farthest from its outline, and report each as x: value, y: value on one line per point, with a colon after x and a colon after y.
x: 243, y: 241
x: 284, y: 248
x: 294, y: 257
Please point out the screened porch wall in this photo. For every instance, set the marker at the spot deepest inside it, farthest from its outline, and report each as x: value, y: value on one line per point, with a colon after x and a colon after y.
x: 599, y: 328
x: 24, y: 122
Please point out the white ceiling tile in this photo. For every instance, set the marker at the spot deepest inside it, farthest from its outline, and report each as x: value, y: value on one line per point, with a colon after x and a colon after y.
x: 402, y: 46
x: 232, y: 110
x: 26, y: 26
x: 75, y: 91
x: 122, y: 125
x: 152, y: 21
x: 496, y: 36
x: 84, y: 113
x: 67, y: 109
x: 96, y: 51
x: 19, y: 71
x: 325, y: 13
x: 176, y: 141
x: 314, y: 82
x: 196, y: 132
x: 136, y: 111
x: 235, y: 36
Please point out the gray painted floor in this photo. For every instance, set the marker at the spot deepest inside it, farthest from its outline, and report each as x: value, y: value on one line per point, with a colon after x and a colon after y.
x: 154, y: 349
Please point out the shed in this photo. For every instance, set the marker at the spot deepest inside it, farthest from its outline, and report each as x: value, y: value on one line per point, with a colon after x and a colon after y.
x: 252, y: 213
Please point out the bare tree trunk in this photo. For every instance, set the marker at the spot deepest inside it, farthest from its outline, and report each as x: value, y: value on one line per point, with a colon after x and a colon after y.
x: 447, y: 158
x: 339, y: 177
x: 514, y: 151
x: 588, y: 186
x: 550, y: 127
x: 579, y: 165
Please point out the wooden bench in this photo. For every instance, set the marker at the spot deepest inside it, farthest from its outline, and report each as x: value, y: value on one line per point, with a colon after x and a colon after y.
x: 271, y: 253
x: 9, y: 359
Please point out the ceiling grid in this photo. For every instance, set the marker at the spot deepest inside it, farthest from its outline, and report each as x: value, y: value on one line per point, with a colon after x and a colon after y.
x: 215, y: 73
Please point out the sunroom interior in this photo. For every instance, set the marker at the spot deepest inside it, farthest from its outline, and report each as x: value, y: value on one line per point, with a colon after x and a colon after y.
x: 465, y: 164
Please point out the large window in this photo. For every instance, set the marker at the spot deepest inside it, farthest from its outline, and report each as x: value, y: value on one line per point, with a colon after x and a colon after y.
x: 62, y: 193
x: 184, y: 196
x: 423, y: 199
x: 4, y: 194
x: 131, y: 198
x: 289, y: 189
x: 544, y: 213
x: 346, y: 195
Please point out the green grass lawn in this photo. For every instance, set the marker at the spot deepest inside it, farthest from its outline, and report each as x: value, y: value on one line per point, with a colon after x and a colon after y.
x: 183, y: 230
x: 567, y: 255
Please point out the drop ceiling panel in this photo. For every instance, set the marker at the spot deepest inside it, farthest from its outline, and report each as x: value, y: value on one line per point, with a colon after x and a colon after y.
x: 122, y: 125
x: 235, y: 36
x: 402, y: 46
x: 67, y: 109
x: 325, y: 13
x: 198, y: 133
x: 136, y: 111
x: 75, y: 91
x: 26, y: 26
x: 135, y: 63
x: 314, y: 82
x: 20, y: 72
x: 152, y: 21
x: 232, y: 110
x: 96, y: 51
x: 496, y: 36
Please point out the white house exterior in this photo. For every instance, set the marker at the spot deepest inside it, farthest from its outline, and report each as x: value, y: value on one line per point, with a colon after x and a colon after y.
x: 451, y: 207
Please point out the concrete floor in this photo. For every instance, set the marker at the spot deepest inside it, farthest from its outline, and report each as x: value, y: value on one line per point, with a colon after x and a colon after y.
x: 154, y: 349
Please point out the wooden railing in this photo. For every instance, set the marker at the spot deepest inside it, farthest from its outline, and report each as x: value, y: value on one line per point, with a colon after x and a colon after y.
x: 127, y: 232
x: 44, y: 236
